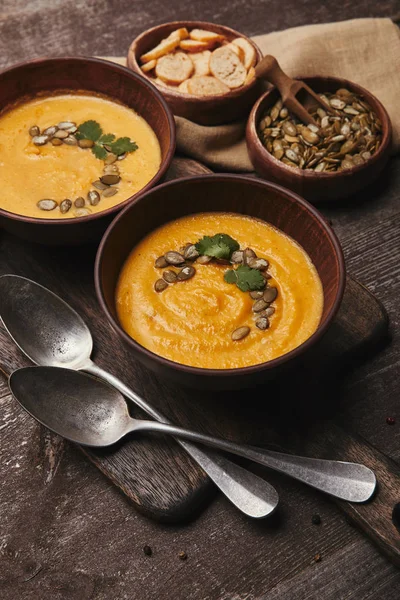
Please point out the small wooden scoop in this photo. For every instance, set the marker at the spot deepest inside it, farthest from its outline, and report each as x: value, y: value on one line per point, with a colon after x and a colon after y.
x: 268, y: 68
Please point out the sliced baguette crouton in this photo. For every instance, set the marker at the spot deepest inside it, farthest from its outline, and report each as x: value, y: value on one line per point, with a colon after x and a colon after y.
x: 226, y: 66
x: 184, y: 87
x: 236, y: 49
x: 206, y: 86
x: 174, y: 68
x: 164, y: 47
x: 250, y: 55
x: 180, y: 34
x: 250, y: 75
x: 149, y: 66
x: 201, y: 35
x: 201, y: 61
x: 195, y: 46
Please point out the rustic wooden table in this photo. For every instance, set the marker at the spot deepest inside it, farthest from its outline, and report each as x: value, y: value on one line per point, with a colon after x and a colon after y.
x: 66, y: 532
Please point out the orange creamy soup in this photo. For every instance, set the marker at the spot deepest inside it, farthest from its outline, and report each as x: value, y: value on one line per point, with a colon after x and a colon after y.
x: 56, y: 168
x: 195, y: 321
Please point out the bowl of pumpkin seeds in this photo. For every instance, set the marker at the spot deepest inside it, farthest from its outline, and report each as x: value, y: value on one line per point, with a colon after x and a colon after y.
x: 343, y: 153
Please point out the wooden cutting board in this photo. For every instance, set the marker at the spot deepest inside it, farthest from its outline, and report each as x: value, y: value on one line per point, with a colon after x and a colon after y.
x: 296, y: 414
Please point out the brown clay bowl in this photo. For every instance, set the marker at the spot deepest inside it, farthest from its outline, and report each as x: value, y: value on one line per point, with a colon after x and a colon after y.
x: 318, y: 187
x: 101, y: 77
x: 205, y: 110
x: 227, y: 193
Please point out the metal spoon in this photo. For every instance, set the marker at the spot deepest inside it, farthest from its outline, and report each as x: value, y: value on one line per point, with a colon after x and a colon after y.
x: 51, y: 333
x: 85, y: 410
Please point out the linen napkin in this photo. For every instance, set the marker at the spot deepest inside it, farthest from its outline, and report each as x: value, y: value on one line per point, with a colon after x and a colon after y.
x: 366, y: 51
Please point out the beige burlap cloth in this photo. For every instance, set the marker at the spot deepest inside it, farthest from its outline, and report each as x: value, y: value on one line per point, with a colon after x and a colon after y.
x: 366, y: 51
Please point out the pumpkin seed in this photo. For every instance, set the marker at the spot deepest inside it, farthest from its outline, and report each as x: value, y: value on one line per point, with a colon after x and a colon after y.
x: 79, y: 202
x: 84, y: 143
x: 72, y: 129
x: 337, y: 103
x: 93, y: 197
x: 50, y: 131
x: 174, y: 258
x: 262, y: 323
x: 66, y: 124
x: 56, y: 142
x: 61, y: 134
x: 186, y: 273
x: 260, y: 305
x: 40, y: 140
x: 121, y: 156
x: 65, y: 206
x: 190, y: 252
x: 82, y: 212
x: 47, y: 204
x: 240, y: 333
x: 258, y: 263
x: 110, y: 179
x: 270, y: 294
x: 256, y: 294
x: 248, y: 253
x: 237, y: 257
x: 204, y: 260
x: 70, y: 140
x: 291, y: 155
x: 111, y: 158
x: 170, y: 276
x: 161, y: 263
x: 107, y: 193
x: 269, y: 311
x: 34, y: 131
x: 160, y: 285
x: 99, y: 185
x: 289, y: 128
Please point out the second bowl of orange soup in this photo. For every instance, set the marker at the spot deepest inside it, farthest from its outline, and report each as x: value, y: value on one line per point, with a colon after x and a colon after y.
x: 221, y: 280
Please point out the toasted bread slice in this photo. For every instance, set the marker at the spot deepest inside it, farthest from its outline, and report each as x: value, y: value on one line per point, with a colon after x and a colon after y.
x: 162, y: 83
x: 184, y: 87
x: 181, y: 34
x: 226, y: 66
x: 195, y: 46
x: 201, y: 35
x: 164, y: 47
x: 236, y: 49
x: 149, y: 66
x: 174, y: 68
x: 250, y: 55
x: 251, y: 73
x: 206, y: 86
x: 201, y: 61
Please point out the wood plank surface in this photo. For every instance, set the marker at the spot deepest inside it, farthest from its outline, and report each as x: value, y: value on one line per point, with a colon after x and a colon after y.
x: 66, y: 533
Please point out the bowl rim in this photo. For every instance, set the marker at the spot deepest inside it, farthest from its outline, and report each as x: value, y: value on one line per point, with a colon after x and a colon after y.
x: 190, y: 98
x: 241, y: 371
x: 252, y: 137
x: 165, y: 163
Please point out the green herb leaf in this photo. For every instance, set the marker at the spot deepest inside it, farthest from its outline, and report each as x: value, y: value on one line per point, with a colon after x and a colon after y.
x: 89, y: 130
x: 220, y: 245
x: 107, y: 138
x: 246, y: 279
x: 122, y: 145
x: 99, y: 152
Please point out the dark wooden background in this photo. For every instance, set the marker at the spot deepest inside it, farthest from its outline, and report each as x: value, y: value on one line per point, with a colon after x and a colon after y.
x: 65, y: 531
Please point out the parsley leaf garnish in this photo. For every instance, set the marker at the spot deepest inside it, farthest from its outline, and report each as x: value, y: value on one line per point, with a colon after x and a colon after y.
x: 122, y: 145
x: 91, y: 130
x: 220, y: 245
x: 246, y: 279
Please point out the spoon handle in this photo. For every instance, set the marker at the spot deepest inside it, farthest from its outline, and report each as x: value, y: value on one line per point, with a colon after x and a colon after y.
x: 251, y: 494
x: 345, y: 480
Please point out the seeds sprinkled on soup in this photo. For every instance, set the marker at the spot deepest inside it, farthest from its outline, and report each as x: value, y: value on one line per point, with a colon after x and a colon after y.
x: 227, y: 300
x: 80, y: 154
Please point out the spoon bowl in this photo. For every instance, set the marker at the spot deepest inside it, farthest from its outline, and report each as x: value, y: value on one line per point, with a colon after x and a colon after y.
x: 78, y: 407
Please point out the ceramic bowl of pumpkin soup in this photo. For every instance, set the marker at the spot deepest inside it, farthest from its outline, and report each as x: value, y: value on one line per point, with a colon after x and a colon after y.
x: 79, y: 139
x: 219, y: 281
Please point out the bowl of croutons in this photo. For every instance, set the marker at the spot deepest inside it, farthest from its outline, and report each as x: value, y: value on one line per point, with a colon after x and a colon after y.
x: 205, y: 71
